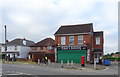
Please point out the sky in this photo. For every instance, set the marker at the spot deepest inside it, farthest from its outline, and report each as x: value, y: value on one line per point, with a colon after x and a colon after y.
x: 39, y: 19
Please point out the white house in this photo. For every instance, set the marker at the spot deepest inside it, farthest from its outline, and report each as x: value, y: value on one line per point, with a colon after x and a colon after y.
x: 18, y: 48
x: 0, y: 47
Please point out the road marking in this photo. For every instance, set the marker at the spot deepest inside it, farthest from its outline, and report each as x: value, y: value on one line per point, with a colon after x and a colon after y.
x: 15, y: 73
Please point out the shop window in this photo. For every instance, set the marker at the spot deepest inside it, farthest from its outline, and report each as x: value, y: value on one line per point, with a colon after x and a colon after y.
x: 62, y: 40
x: 80, y: 39
x: 71, y: 40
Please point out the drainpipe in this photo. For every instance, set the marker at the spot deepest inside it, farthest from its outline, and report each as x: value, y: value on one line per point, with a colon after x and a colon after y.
x: 92, y: 43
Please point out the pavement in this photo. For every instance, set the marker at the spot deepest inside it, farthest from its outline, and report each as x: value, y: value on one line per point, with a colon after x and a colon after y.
x: 76, y: 66
x: 56, y: 69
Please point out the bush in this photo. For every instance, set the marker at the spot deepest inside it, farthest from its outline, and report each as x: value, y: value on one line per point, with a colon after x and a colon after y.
x: 112, y: 58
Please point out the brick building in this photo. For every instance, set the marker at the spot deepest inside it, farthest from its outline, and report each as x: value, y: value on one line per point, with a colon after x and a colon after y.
x: 74, y: 41
x: 41, y: 49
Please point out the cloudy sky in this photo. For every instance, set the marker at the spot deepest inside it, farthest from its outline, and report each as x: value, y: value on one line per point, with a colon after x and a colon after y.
x: 38, y: 19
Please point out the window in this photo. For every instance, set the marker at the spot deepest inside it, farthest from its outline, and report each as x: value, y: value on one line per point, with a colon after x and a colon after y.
x: 41, y: 48
x: 71, y: 40
x: 49, y: 48
x: 34, y: 48
x: 62, y: 40
x: 15, y: 47
x: 97, y: 40
x: 80, y: 39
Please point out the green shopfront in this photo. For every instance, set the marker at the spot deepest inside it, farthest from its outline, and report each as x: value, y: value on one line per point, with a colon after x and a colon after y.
x: 71, y: 54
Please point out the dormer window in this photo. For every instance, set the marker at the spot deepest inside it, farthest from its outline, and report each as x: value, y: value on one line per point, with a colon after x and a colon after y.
x: 24, y: 42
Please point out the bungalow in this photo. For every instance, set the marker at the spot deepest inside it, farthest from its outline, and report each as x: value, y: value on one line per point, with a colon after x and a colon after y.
x: 17, y: 48
x: 41, y: 49
x: 74, y: 41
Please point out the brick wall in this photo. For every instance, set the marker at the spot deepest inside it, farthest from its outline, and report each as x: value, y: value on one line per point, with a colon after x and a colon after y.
x: 101, y: 42
x: 86, y: 38
x: 44, y: 49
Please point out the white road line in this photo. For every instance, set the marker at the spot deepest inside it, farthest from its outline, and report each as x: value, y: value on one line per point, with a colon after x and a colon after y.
x: 16, y: 73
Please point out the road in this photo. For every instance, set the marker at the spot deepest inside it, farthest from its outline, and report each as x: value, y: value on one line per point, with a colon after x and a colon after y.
x: 25, y: 69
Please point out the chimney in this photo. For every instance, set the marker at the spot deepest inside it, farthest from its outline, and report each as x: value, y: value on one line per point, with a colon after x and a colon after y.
x: 24, y: 39
x: 7, y: 41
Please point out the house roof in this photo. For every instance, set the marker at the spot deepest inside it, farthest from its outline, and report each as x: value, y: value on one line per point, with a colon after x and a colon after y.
x: 45, y: 42
x: 100, y: 33
x: 20, y: 42
x: 79, y: 28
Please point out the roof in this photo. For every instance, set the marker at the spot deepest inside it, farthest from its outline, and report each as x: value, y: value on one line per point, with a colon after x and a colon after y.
x: 79, y: 28
x: 45, y: 42
x: 100, y: 33
x: 20, y: 42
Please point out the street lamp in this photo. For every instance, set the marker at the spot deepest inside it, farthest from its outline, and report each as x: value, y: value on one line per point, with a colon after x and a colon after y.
x: 5, y: 43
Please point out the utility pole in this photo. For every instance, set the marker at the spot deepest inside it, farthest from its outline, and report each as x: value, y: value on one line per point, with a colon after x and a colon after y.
x: 5, y: 44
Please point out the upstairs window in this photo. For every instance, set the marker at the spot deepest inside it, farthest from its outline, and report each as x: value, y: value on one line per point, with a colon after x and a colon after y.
x: 34, y: 48
x: 71, y: 40
x: 97, y: 40
x: 62, y: 40
x: 41, y: 48
x: 16, y: 48
x: 49, y: 48
x: 80, y: 39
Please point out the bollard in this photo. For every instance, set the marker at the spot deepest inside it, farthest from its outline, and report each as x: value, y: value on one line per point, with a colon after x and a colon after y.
x: 67, y: 62
x: 95, y: 65
x: 72, y: 64
x: 38, y: 61
x: 62, y: 63
x: 49, y: 62
x: 3, y: 61
x: 12, y: 60
x: 7, y: 60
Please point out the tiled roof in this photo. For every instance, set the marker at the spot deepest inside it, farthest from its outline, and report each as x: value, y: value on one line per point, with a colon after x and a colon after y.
x: 19, y: 41
x: 45, y: 42
x: 100, y: 33
x: 70, y: 29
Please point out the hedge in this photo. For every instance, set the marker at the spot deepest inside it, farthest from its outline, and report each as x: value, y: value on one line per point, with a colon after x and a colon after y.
x: 112, y: 58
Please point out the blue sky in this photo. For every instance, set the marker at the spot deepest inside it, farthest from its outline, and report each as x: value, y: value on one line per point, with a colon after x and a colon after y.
x: 38, y: 19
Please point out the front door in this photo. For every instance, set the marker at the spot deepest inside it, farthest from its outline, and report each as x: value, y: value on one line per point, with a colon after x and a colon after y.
x: 96, y: 57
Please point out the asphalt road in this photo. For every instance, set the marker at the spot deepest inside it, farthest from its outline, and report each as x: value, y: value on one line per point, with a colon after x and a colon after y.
x: 24, y: 69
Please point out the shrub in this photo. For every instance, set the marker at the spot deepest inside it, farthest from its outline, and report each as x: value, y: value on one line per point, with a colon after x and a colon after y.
x: 112, y: 58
